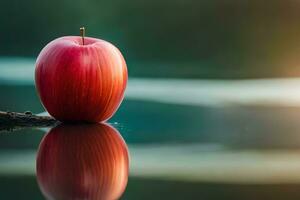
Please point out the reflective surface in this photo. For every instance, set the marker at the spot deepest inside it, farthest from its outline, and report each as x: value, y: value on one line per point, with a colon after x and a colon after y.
x: 82, y: 162
x: 210, y: 140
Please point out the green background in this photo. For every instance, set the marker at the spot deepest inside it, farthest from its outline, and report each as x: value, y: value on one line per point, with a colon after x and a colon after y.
x: 169, y: 38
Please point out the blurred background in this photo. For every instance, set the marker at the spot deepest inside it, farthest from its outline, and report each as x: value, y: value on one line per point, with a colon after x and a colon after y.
x: 186, y: 39
x: 212, y: 106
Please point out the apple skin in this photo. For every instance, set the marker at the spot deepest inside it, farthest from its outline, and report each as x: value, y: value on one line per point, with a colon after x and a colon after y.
x: 77, y: 82
x: 82, y: 162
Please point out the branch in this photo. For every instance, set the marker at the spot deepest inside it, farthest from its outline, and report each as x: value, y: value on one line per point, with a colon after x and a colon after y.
x: 14, y: 120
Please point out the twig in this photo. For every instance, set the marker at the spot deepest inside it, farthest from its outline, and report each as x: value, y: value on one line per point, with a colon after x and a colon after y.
x: 15, y: 120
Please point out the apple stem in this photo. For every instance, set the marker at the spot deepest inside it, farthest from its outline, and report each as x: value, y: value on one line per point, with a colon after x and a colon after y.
x: 82, y: 34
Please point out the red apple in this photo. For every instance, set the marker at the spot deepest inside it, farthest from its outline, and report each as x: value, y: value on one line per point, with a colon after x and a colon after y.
x: 82, y: 162
x: 81, y: 78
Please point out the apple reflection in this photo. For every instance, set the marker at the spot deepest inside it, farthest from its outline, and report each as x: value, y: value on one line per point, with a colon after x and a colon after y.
x: 82, y: 162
